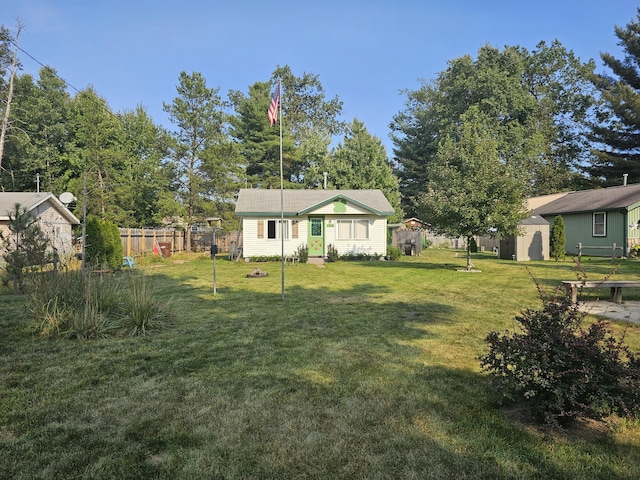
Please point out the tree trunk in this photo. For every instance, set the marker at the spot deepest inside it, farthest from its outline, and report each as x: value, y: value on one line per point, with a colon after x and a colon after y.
x: 5, y: 118
x: 469, y: 254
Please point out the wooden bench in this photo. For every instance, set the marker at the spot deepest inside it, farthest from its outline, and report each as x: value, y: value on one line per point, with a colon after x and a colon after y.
x: 616, y: 287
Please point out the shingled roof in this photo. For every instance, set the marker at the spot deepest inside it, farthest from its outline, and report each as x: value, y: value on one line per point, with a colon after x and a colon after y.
x: 611, y: 198
x: 298, y: 202
x: 31, y: 200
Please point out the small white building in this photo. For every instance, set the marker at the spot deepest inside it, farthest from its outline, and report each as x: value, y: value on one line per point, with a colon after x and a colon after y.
x: 53, y: 217
x: 353, y: 221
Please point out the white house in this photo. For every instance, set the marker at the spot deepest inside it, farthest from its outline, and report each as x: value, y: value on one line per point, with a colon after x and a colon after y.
x: 353, y: 221
x: 54, y: 218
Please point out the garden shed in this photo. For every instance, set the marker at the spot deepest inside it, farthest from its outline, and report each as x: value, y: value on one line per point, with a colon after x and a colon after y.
x: 531, y: 244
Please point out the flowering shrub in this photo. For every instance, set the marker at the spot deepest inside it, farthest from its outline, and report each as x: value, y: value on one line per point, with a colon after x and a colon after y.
x: 562, y: 369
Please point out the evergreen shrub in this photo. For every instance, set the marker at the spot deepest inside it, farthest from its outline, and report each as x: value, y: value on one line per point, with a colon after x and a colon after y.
x: 558, y: 238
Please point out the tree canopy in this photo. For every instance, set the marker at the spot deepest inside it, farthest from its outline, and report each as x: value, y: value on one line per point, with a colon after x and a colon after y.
x: 533, y: 113
x: 470, y: 190
x: 533, y: 102
x: 360, y: 162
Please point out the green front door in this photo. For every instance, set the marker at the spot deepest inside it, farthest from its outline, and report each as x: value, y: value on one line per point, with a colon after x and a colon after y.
x: 316, y: 236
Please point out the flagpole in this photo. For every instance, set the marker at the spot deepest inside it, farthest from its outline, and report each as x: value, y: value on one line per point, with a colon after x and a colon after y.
x: 281, y: 191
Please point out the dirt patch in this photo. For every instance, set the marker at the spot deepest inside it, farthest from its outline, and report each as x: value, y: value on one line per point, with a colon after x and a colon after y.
x: 586, y: 429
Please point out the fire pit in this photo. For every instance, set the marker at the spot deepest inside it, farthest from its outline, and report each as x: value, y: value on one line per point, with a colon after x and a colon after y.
x: 257, y: 273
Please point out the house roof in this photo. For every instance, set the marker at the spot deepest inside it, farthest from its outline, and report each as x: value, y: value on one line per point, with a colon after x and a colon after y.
x: 611, y: 198
x: 30, y: 201
x: 297, y: 202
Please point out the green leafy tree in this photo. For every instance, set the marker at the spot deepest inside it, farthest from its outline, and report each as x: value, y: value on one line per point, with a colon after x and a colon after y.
x: 308, y: 115
x: 558, y: 239
x: 534, y: 103
x: 309, y: 122
x: 144, y: 179
x: 471, y: 191
x: 305, y: 107
x: 25, y: 246
x: 199, y: 118
x: 360, y: 162
x: 617, y: 130
x: 39, y: 145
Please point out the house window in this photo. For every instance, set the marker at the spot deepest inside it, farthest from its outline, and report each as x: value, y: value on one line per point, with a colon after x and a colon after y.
x: 273, y: 229
x: 361, y: 229
x: 260, y: 228
x: 599, y: 224
x: 294, y: 228
x: 352, y: 229
x: 343, y: 229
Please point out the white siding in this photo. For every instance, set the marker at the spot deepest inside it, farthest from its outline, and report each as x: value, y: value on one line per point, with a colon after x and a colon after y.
x: 54, y: 225
x: 252, y: 246
x: 256, y: 247
x: 375, y: 244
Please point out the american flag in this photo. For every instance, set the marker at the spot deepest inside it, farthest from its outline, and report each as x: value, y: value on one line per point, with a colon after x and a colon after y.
x: 272, y: 113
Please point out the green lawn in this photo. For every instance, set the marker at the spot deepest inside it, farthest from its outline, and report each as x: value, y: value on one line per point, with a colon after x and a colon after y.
x: 365, y: 370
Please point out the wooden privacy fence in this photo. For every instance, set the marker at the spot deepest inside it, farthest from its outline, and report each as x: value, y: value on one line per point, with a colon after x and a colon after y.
x: 138, y: 241
x: 141, y: 241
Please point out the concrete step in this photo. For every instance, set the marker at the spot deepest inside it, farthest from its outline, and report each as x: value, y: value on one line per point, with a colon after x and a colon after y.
x: 316, y: 260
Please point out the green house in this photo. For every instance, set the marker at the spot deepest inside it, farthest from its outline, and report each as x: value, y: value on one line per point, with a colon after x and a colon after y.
x: 597, y: 219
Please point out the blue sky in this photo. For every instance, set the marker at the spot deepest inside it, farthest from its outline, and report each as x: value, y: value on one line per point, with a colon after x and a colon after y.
x: 364, y: 51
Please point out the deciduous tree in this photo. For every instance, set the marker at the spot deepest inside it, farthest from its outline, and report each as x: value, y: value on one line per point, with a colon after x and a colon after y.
x: 533, y: 102
x: 470, y: 190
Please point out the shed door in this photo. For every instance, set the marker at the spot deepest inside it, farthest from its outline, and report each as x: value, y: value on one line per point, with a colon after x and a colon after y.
x: 316, y: 236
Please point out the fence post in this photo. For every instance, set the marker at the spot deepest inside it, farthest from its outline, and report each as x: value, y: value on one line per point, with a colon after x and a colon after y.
x: 613, y: 253
x: 579, y: 251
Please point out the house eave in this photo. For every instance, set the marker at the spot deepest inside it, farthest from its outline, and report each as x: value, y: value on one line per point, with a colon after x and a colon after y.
x: 339, y: 196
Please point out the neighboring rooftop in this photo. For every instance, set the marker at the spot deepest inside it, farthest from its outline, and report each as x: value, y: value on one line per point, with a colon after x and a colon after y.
x: 29, y: 201
x: 610, y: 198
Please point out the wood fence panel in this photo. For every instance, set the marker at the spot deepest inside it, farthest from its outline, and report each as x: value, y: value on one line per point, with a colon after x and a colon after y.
x: 141, y: 241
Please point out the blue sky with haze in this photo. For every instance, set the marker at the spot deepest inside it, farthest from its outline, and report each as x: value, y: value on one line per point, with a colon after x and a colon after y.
x: 366, y: 52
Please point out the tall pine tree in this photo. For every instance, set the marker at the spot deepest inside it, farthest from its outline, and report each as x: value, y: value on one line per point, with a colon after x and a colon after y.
x: 617, y: 132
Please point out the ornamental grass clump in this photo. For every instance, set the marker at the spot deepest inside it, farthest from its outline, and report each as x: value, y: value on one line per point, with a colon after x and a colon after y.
x: 140, y: 312
x: 563, y: 368
x: 79, y: 305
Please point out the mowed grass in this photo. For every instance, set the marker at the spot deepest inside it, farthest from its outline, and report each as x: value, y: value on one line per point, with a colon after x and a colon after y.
x: 364, y: 370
